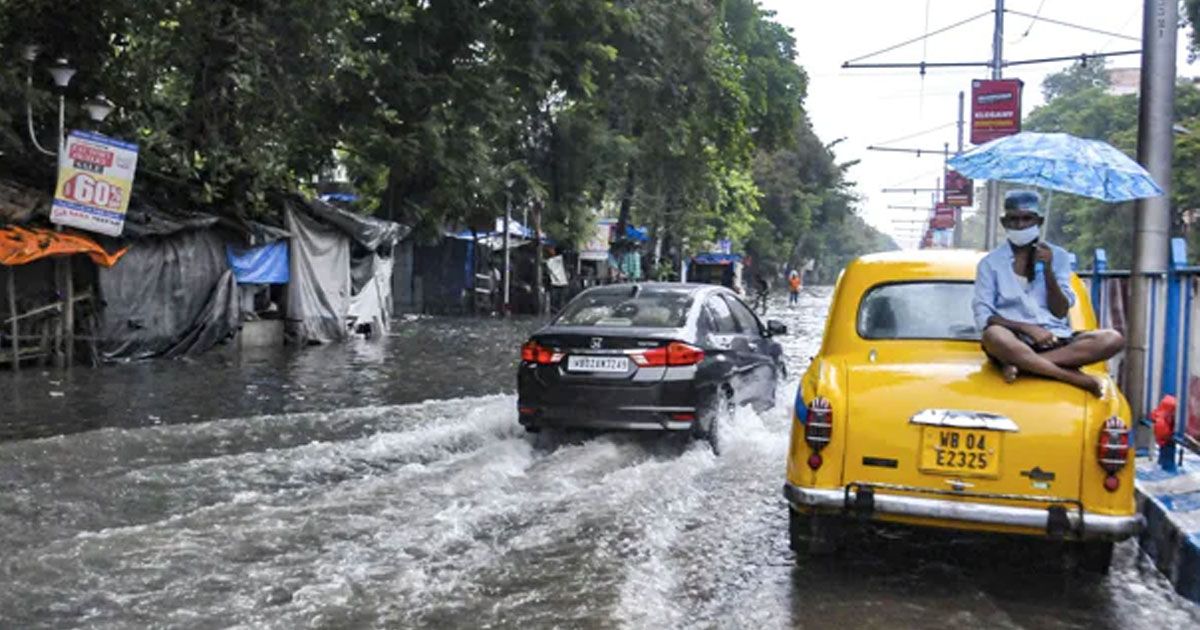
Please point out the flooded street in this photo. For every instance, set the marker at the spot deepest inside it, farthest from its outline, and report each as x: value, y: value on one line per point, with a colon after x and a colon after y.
x: 388, y: 485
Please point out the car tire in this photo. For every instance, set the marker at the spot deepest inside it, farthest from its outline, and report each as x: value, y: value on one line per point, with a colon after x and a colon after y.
x: 797, y: 528
x: 815, y: 534
x: 1094, y: 556
x: 826, y: 534
x: 708, y: 423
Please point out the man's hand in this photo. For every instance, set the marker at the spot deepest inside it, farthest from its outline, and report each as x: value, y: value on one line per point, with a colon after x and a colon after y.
x: 1041, y: 337
x: 1044, y: 255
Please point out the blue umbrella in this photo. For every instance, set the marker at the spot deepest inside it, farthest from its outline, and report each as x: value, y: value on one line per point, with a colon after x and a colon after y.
x: 1062, y: 162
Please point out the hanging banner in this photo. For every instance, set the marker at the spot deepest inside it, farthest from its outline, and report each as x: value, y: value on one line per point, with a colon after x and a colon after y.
x: 960, y: 190
x: 95, y: 180
x: 995, y: 109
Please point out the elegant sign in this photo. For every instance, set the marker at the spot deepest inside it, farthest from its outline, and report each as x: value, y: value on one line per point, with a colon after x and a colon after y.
x: 95, y: 180
x: 995, y: 109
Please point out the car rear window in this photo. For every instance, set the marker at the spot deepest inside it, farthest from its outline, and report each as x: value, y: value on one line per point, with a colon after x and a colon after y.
x: 623, y: 307
x: 918, y: 310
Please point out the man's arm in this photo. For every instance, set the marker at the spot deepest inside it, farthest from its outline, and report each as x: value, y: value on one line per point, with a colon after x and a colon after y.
x: 1059, y: 297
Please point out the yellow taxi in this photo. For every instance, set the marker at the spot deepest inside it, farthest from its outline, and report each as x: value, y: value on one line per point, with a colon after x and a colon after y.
x: 902, y: 418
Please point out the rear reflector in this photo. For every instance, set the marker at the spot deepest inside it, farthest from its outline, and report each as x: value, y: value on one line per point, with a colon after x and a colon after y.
x: 533, y: 352
x: 527, y: 411
x: 1113, y: 450
x: 683, y: 417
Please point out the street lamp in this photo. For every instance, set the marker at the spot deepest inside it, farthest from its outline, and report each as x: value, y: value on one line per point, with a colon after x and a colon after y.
x: 98, y: 108
x: 62, y: 72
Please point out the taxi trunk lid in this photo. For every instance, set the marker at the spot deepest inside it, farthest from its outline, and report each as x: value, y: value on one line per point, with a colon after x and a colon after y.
x: 958, y: 427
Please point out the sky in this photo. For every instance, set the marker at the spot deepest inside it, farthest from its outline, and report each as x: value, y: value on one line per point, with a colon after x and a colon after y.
x: 900, y: 108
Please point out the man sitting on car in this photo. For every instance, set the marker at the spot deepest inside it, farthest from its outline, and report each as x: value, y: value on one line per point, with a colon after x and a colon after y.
x: 1022, y: 295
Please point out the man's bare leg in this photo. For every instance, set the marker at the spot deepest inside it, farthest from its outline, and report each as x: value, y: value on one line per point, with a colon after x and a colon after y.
x: 1001, y: 343
x: 1087, y: 348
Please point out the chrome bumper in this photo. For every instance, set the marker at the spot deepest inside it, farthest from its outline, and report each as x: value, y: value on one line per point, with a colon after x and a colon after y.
x: 1081, y: 524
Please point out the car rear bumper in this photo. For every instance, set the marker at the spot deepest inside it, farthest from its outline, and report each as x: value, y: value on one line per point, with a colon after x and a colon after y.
x: 1055, y: 520
x: 634, y: 418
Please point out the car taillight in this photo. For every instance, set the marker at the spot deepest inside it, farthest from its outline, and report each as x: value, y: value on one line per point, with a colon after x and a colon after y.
x: 818, y: 429
x: 1113, y: 451
x: 674, y: 354
x: 534, y: 352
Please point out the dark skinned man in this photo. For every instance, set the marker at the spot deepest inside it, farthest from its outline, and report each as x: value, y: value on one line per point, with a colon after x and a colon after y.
x: 1022, y: 296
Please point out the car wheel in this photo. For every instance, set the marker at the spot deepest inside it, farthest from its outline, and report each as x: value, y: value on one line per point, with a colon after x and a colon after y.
x: 816, y: 534
x: 708, y: 424
x: 826, y: 533
x: 1094, y: 556
x: 797, y: 526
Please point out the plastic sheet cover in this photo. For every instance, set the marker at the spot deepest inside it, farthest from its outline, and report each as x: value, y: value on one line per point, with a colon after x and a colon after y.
x: 372, y: 303
x: 19, y: 246
x: 266, y: 264
x: 168, y: 296
x: 318, y: 294
x: 374, y: 234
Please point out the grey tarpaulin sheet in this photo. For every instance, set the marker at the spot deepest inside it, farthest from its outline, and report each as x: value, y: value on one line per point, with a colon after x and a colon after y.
x: 318, y: 296
x: 374, y: 234
x: 168, y: 296
x: 372, y: 303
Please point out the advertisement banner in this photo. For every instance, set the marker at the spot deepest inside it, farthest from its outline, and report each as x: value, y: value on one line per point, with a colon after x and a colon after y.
x: 960, y: 190
x: 95, y: 180
x: 943, y: 217
x: 995, y: 109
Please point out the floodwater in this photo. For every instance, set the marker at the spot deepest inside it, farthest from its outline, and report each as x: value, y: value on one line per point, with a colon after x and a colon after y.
x: 388, y: 485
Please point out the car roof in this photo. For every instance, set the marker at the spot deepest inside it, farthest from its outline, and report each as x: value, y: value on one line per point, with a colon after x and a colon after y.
x: 672, y: 287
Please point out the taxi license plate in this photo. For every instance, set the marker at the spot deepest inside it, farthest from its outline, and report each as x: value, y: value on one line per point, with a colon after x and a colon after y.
x: 960, y: 452
x: 597, y: 364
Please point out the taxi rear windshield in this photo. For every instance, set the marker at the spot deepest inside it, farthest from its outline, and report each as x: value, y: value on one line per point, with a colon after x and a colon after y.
x: 622, y: 307
x: 918, y: 310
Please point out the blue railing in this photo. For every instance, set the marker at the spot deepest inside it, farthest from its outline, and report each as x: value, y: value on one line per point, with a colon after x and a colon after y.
x: 1168, y: 361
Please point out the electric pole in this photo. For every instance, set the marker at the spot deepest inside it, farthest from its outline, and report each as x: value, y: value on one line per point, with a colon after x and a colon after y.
x: 958, y: 230
x: 1151, y: 239
x: 993, y: 187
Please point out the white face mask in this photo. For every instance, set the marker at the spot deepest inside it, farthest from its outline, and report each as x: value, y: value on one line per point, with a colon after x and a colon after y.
x: 1023, y: 236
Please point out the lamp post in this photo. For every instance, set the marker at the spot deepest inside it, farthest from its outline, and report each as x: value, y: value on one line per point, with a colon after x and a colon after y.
x: 98, y: 108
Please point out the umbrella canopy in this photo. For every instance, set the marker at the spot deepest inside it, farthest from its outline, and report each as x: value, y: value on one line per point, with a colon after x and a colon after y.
x: 1062, y: 162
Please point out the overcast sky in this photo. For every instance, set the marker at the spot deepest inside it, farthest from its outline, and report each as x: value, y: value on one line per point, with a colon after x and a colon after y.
x: 885, y: 107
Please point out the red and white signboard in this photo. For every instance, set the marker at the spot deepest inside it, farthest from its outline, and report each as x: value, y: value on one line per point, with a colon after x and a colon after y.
x: 943, y: 217
x: 995, y: 109
x: 960, y: 190
x: 95, y: 179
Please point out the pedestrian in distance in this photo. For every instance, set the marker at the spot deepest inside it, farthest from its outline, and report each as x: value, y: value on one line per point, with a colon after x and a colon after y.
x: 794, y: 284
x: 1022, y: 296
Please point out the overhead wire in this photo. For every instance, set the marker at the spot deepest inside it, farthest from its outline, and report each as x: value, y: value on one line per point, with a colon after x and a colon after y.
x: 1080, y: 27
x: 922, y: 37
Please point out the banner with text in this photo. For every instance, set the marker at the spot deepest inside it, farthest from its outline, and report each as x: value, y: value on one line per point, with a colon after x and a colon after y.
x: 960, y: 190
x: 995, y: 109
x: 95, y: 181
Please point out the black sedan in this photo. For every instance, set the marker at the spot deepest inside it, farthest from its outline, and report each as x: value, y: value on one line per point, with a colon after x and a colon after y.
x: 651, y: 356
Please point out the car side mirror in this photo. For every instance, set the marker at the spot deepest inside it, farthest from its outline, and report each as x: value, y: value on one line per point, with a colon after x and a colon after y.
x: 775, y: 328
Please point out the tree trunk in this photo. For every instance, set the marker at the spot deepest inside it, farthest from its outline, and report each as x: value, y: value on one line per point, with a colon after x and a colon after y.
x: 626, y: 202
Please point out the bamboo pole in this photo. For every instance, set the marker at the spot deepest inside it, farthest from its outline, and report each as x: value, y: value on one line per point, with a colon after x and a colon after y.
x: 12, y: 308
x: 69, y: 311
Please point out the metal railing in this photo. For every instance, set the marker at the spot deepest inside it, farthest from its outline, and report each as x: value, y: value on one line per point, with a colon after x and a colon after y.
x: 1169, y: 360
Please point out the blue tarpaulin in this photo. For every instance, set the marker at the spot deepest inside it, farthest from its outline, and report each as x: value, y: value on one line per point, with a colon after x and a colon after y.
x: 265, y: 264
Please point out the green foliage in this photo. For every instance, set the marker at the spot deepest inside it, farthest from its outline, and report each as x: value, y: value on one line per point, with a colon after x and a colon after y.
x: 1084, y: 109
x: 681, y: 115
